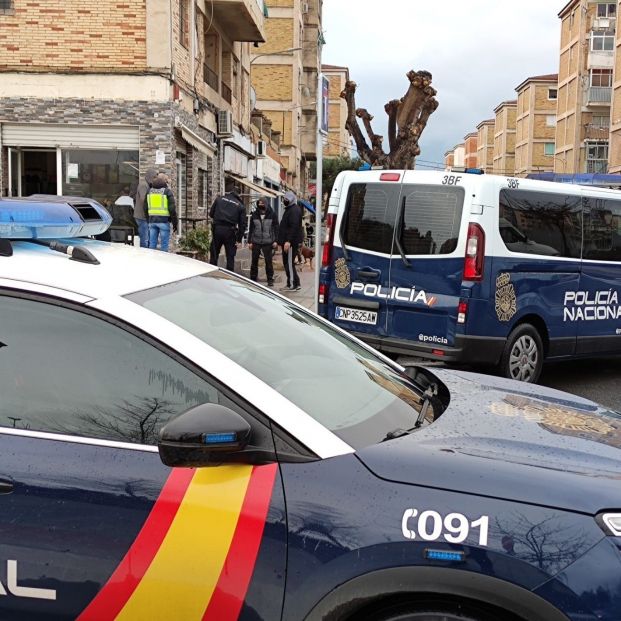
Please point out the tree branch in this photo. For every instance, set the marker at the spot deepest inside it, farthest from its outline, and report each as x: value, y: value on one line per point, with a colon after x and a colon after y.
x: 349, y: 95
x: 392, y: 109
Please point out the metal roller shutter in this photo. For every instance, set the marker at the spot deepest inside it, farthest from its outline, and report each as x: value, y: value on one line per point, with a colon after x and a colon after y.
x: 70, y: 136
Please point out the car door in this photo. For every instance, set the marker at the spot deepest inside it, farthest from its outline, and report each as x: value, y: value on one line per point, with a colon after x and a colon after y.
x: 362, y: 255
x: 595, y: 306
x: 427, y: 269
x: 93, y: 525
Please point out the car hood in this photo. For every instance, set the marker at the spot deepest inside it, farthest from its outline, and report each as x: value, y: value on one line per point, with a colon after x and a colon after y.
x: 511, y: 440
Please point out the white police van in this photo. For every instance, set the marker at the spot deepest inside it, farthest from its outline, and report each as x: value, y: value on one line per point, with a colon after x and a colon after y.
x: 474, y: 268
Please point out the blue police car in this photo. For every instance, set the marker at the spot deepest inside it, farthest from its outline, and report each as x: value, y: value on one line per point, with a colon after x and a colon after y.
x: 177, y: 442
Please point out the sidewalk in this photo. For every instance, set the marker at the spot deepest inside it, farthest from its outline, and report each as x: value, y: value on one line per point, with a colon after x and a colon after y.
x: 305, y: 297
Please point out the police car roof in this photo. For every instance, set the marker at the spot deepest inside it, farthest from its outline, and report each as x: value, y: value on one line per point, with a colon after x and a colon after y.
x: 122, y: 269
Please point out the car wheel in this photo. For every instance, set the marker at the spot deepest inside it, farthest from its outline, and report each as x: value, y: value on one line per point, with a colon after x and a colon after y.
x: 522, y: 358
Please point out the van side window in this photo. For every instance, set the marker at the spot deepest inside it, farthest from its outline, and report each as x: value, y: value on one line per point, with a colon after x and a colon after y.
x: 370, y: 216
x: 431, y: 219
x: 541, y: 223
x: 602, y: 229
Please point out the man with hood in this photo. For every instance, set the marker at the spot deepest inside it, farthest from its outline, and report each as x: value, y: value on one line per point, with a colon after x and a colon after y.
x: 140, y: 214
x: 290, y: 238
x: 262, y: 237
x: 228, y: 222
x: 161, y: 211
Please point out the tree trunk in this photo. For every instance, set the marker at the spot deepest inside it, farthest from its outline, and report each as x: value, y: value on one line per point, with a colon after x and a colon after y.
x: 407, y: 119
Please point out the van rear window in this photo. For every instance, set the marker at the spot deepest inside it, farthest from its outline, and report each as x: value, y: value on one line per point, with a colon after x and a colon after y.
x: 370, y: 216
x: 431, y: 219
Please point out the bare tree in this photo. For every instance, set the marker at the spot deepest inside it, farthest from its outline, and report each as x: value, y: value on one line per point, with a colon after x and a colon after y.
x: 407, y: 118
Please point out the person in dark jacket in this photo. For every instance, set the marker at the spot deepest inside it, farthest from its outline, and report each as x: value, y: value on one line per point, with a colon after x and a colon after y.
x: 290, y: 238
x: 161, y: 211
x: 228, y: 222
x: 262, y: 237
x: 140, y: 207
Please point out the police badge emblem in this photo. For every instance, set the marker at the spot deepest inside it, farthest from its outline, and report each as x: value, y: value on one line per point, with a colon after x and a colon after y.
x: 506, y: 301
x: 341, y: 274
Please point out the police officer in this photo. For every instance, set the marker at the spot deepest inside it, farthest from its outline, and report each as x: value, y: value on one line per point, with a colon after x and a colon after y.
x: 161, y: 211
x: 262, y: 237
x: 228, y: 218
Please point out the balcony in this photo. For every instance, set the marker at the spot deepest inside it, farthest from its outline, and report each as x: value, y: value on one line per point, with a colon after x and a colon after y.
x: 210, y: 77
x: 596, y: 132
x: 242, y: 20
x: 599, y: 96
x: 226, y: 92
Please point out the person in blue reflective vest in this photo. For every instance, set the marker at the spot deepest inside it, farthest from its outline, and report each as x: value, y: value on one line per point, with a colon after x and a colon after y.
x: 162, y: 213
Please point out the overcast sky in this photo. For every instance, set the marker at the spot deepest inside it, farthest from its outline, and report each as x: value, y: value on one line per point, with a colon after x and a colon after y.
x: 477, y: 50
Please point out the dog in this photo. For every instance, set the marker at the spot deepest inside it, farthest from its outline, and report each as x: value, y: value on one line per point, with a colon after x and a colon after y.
x: 308, y: 254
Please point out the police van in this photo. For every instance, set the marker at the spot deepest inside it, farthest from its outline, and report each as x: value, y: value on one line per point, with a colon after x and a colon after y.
x: 474, y: 268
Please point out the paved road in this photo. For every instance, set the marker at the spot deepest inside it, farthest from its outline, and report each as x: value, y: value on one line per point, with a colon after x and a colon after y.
x: 598, y: 379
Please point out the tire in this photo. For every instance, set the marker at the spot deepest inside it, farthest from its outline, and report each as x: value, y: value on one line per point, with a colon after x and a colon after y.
x: 522, y: 358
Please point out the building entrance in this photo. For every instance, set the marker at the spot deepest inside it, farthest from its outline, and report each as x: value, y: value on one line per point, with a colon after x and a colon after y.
x: 33, y: 171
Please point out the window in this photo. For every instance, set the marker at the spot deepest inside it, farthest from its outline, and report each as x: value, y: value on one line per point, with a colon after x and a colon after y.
x: 182, y: 187
x: 601, y: 77
x: 370, y: 216
x: 6, y: 6
x: 339, y: 383
x: 184, y: 23
x: 552, y: 93
x: 597, y: 156
x: 602, y: 229
x: 203, y: 185
x: 600, y: 120
x: 550, y: 120
x: 541, y: 223
x: 431, y: 219
x: 548, y: 148
x: 602, y: 40
x: 111, y: 385
x: 608, y: 9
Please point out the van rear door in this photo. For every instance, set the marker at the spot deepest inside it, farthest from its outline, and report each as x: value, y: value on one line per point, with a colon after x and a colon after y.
x: 361, y: 254
x: 427, y: 265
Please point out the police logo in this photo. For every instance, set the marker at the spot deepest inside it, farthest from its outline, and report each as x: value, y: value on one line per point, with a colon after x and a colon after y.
x: 341, y: 274
x: 506, y: 301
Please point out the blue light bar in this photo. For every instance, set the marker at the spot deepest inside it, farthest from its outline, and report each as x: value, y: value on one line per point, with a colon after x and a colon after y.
x: 53, y: 217
x: 444, y: 555
x: 220, y: 438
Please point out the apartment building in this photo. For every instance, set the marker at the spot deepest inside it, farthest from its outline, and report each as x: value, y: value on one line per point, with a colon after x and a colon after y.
x: 449, y: 159
x: 485, y: 145
x: 94, y: 92
x: 504, y: 138
x: 471, y: 150
x: 585, y: 84
x: 536, y: 125
x: 285, y: 76
x: 338, y: 141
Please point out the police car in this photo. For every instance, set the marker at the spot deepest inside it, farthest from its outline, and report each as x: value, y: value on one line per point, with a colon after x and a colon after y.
x: 177, y: 442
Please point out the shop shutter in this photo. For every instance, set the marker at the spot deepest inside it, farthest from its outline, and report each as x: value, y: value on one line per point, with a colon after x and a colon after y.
x: 70, y: 136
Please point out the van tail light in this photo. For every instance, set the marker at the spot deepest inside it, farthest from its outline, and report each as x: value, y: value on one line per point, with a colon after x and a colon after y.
x: 326, y: 255
x: 462, y: 312
x: 323, y: 294
x: 475, y: 253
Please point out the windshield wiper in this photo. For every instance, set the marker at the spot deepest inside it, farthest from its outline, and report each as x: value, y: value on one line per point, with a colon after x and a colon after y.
x: 399, y: 432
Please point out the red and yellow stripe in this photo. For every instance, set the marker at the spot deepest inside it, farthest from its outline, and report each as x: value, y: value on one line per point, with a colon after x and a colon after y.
x: 195, y: 554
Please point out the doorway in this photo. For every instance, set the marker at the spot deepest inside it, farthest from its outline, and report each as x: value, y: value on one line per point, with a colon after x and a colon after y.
x: 32, y: 171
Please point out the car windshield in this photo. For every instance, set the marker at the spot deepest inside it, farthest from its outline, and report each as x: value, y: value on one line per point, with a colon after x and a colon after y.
x: 338, y: 382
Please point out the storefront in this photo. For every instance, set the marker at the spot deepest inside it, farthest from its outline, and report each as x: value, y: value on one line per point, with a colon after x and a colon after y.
x: 101, y: 162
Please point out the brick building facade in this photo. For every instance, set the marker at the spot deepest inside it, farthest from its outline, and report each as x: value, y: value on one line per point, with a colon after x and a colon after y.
x: 94, y: 93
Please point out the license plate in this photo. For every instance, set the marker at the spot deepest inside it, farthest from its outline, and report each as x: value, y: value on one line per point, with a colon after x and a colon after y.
x: 356, y: 315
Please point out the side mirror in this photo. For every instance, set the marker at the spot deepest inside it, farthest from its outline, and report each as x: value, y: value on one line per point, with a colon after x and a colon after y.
x: 205, y: 435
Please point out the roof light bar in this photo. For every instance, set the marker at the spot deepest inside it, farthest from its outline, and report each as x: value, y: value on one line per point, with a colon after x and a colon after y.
x: 51, y: 218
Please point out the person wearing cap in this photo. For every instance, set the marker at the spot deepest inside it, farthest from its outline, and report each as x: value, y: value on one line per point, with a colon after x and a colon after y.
x: 228, y: 222
x: 262, y: 237
x: 290, y: 238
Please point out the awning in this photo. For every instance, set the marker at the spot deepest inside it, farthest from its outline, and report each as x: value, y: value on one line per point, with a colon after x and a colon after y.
x: 256, y: 189
x: 308, y: 205
x: 197, y: 142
